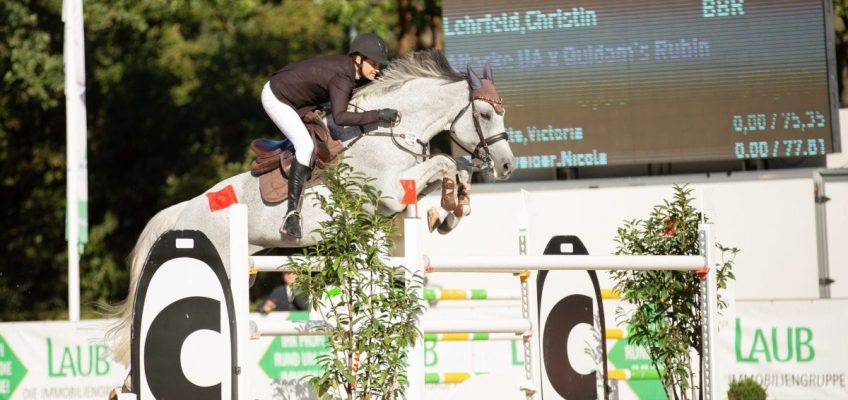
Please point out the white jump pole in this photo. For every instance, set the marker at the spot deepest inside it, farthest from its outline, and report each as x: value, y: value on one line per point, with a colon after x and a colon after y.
x: 276, y: 327
x: 239, y: 284
x: 515, y: 264
x: 560, y: 263
x: 709, y: 312
x: 412, y: 226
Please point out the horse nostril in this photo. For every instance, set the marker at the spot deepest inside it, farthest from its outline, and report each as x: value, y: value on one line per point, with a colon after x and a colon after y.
x: 506, y: 166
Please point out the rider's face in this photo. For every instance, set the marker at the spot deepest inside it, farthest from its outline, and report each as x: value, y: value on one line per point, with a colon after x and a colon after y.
x: 370, y: 68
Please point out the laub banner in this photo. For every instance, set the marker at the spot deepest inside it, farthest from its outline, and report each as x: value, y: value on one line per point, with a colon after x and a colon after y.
x: 796, y: 349
x: 56, y: 360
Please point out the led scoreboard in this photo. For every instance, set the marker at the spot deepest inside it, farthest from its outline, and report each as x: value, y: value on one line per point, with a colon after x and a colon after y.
x: 592, y: 83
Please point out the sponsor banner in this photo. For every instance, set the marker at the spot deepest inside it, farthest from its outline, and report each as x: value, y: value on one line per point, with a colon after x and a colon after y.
x: 56, y: 360
x: 796, y: 349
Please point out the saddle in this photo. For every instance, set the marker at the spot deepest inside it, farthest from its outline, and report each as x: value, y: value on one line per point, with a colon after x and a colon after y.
x: 273, y: 158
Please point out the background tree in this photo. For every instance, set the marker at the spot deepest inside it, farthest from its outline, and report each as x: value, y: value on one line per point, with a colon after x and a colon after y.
x: 32, y: 159
x: 173, y: 100
x: 419, y: 25
x: 840, y: 36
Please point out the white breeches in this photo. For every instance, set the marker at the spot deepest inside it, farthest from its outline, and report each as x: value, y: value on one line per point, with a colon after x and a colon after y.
x: 289, y: 122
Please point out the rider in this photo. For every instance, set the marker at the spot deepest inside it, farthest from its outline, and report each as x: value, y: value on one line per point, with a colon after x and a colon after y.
x: 301, y: 87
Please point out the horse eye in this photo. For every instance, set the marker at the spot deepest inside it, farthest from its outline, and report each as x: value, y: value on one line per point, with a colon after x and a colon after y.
x: 487, y: 116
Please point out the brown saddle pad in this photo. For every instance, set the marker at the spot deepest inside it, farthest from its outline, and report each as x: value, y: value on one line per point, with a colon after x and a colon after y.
x: 272, y: 167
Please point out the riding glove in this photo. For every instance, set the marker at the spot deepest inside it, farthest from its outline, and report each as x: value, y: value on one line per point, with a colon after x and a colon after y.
x: 388, y: 115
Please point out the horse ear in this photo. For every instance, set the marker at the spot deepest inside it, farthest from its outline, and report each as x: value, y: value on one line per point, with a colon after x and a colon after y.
x: 487, y: 73
x: 473, y: 80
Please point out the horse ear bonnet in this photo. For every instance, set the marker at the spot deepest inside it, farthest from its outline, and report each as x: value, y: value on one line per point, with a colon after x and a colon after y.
x: 473, y: 80
x: 484, y: 89
x: 487, y: 73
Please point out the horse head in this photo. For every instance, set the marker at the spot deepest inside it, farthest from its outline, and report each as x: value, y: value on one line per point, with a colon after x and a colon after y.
x: 479, y: 127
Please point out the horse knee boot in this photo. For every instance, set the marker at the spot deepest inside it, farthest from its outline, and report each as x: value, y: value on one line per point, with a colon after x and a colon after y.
x: 449, y: 195
x: 298, y: 175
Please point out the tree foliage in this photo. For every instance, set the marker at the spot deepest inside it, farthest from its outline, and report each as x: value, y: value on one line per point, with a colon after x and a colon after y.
x: 173, y: 101
x: 33, y: 159
x: 746, y: 389
x: 840, y: 35
x: 370, y: 313
x: 666, y: 314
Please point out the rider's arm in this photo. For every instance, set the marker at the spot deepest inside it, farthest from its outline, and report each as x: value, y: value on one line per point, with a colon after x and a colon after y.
x: 340, y: 90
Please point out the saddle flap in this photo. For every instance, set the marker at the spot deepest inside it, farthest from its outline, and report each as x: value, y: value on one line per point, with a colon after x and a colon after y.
x: 273, y: 187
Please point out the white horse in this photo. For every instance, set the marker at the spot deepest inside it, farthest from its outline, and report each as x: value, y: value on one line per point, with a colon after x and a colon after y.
x: 431, y: 96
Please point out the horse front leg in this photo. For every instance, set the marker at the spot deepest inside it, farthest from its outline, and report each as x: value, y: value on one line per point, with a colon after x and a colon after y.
x: 454, y: 179
x: 426, y: 175
x: 445, y: 219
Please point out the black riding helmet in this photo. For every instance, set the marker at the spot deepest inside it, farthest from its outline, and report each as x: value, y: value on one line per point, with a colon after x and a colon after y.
x: 371, y: 47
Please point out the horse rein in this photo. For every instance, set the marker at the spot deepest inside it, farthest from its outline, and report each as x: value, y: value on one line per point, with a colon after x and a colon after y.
x: 411, y: 139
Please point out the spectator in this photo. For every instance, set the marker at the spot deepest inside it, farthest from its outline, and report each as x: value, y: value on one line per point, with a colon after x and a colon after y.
x: 282, y: 298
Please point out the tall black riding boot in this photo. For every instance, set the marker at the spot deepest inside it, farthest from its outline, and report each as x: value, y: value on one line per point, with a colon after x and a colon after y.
x: 298, y: 175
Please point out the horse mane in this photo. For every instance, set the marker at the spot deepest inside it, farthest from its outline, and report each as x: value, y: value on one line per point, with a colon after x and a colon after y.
x: 420, y: 64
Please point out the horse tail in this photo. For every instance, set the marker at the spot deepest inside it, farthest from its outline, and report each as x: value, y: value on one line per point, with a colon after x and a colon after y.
x: 119, y: 334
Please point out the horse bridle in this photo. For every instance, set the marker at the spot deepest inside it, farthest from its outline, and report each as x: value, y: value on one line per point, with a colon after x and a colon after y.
x: 484, y: 142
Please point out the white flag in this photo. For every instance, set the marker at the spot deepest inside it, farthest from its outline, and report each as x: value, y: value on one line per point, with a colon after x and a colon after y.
x: 77, y: 162
x: 77, y: 126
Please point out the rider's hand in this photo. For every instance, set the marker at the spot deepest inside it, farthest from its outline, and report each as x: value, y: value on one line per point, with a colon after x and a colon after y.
x: 388, y: 115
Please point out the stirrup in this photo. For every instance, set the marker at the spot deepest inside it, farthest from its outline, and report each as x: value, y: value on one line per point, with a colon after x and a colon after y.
x: 291, y: 224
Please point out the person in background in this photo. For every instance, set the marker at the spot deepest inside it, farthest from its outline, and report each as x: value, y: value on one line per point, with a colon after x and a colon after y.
x: 282, y: 298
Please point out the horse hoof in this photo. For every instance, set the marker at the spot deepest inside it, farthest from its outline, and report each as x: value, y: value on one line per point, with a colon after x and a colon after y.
x: 448, y: 224
x: 463, y: 211
x: 432, y: 219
